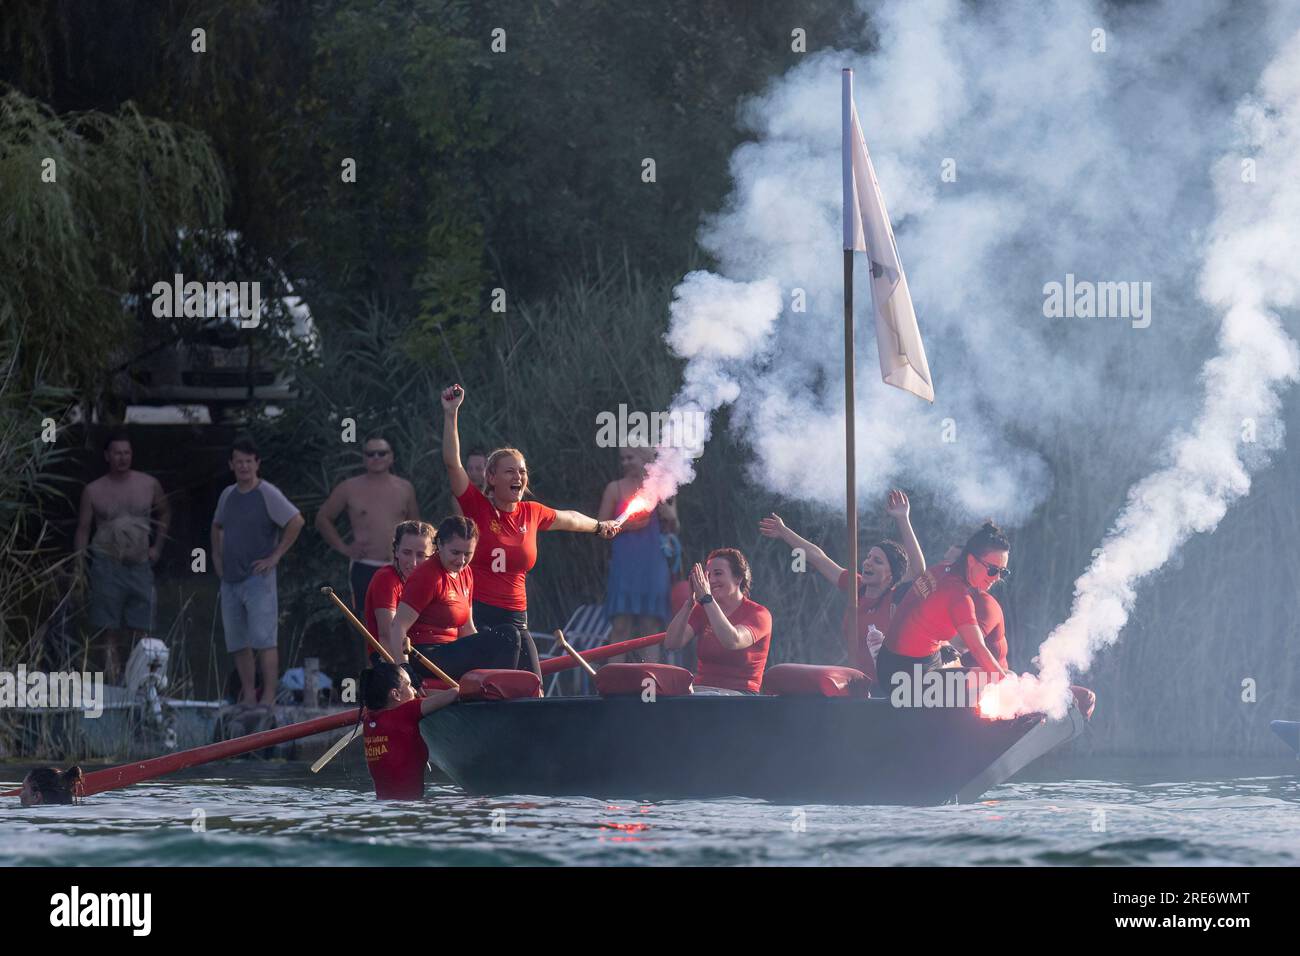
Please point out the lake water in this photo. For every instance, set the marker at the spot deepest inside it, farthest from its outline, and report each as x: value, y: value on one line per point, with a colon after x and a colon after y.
x: 1080, y: 812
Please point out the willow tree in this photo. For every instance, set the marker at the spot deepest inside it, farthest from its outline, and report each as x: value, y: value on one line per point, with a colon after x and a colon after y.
x: 90, y: 204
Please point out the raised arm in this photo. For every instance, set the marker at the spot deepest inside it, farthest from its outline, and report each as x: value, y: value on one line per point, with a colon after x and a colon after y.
x: 456, y: 474
x: 900, y: 509
x: 679, y: 632
x: 773, y: 527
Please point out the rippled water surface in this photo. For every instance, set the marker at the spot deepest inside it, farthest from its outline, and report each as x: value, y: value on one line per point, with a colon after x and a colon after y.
x: 1084, y: 812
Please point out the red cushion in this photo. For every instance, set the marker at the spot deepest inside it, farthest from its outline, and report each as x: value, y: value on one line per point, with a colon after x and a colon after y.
x: 619, y: 680
x: 499, y: 685
x: 815, y: 680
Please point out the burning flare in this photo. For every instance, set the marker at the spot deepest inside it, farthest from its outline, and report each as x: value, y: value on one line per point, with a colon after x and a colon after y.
x: 637, y: 506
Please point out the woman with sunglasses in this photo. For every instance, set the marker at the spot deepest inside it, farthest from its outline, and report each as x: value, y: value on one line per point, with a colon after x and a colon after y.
x: 929, y: 616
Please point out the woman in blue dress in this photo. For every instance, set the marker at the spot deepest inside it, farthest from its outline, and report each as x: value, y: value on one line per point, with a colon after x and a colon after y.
x: 636, y: 595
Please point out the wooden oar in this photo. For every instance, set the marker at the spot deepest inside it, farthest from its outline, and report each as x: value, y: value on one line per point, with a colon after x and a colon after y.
x: 433, y: 668
x: 553, y: 664
x: 97, y: 781
x: 569, y: 649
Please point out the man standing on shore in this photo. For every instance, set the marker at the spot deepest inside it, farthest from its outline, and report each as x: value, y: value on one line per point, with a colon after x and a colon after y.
x: 124, y: 506
x: 252, y: 529
x: 377, y: 501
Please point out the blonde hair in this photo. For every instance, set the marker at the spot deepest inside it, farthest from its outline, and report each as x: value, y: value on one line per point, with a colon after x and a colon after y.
x: 497, y: 455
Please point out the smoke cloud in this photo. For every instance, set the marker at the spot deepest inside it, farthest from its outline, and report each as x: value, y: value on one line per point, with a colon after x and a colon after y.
x: 1018, y: 144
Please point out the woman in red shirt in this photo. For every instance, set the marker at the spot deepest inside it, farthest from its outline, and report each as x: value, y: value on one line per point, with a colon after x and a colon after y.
x: 390, y: 723
x: 733, y: 631
x: 929, y: 616
x: 412, y: 546
x: 887, y: 569
x: 508, y: 524
x: 436, y: 613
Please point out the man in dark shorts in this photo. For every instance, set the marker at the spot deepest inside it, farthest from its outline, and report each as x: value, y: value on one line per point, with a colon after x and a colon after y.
x: 124, y: 507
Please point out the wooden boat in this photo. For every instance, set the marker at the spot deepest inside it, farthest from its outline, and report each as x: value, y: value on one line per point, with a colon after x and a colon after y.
x: 786, y: 749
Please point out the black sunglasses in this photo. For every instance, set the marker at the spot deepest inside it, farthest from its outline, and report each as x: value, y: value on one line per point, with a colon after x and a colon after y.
x: 996, y: 571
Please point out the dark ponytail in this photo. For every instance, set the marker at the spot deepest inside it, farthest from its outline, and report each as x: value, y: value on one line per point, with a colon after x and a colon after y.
x: 988, y: 538
x: 374, y: 685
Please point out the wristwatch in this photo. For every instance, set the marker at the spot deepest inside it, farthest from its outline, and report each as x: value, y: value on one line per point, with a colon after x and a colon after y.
x: 704, y: 599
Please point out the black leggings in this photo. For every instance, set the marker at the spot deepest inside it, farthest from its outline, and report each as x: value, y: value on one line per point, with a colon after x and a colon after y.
x: 491, y: 647
x: 487, y: 616
x: 888, y: 664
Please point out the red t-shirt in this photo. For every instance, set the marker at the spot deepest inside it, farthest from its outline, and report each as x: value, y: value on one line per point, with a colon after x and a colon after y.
x: 508, y: 534
x: 385, y: 591
x: 442, y: 600
x: 988, y: 615
x: 734, y: 670
x: 395, y: 751
x: 922, y: 623
x: 879, y: 612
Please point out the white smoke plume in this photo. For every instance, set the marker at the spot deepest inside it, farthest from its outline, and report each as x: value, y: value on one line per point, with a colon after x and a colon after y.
x: 1017, y: 144
x: 717, y: 325
x: 1252, y: 269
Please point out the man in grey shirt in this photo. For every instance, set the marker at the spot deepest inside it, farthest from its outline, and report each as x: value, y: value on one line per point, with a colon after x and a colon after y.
x: 253, y: 528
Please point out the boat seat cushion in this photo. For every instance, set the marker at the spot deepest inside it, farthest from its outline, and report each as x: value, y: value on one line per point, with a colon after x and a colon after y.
x: 499, y: 684
x: 815, y: 680
x: 628, y: 680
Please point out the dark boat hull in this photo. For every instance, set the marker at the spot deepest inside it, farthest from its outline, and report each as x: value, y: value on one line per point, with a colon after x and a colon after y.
x: 1289, y: 731
x: 782, y: 749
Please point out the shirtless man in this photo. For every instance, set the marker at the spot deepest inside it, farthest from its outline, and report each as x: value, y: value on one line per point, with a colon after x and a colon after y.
x: 123, y: 506
x: 376, y: 502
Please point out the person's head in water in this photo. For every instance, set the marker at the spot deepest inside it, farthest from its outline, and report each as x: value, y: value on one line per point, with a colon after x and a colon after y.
x: 986, y: 557
x: 883, y: 567
x: 47, y: 785
x: 476, y: 467
x: 455, y: 542
x: 384, y: 685
x: 412, y: 546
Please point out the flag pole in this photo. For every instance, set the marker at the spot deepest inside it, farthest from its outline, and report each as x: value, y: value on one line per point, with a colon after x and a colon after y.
x: 850, y: 442
x: 850, y: 437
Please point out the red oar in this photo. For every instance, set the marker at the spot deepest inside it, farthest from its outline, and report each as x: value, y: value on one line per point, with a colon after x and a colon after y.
x: 97, y: 781
x: 553, y: 664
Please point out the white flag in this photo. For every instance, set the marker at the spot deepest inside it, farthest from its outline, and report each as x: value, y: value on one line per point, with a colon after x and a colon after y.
x: 867, y: 229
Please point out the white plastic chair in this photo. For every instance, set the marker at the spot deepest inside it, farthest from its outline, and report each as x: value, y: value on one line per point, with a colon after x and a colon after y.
x: 587, y: 628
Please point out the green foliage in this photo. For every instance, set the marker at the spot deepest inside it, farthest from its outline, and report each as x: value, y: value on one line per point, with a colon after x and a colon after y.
x: 72, y: 248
